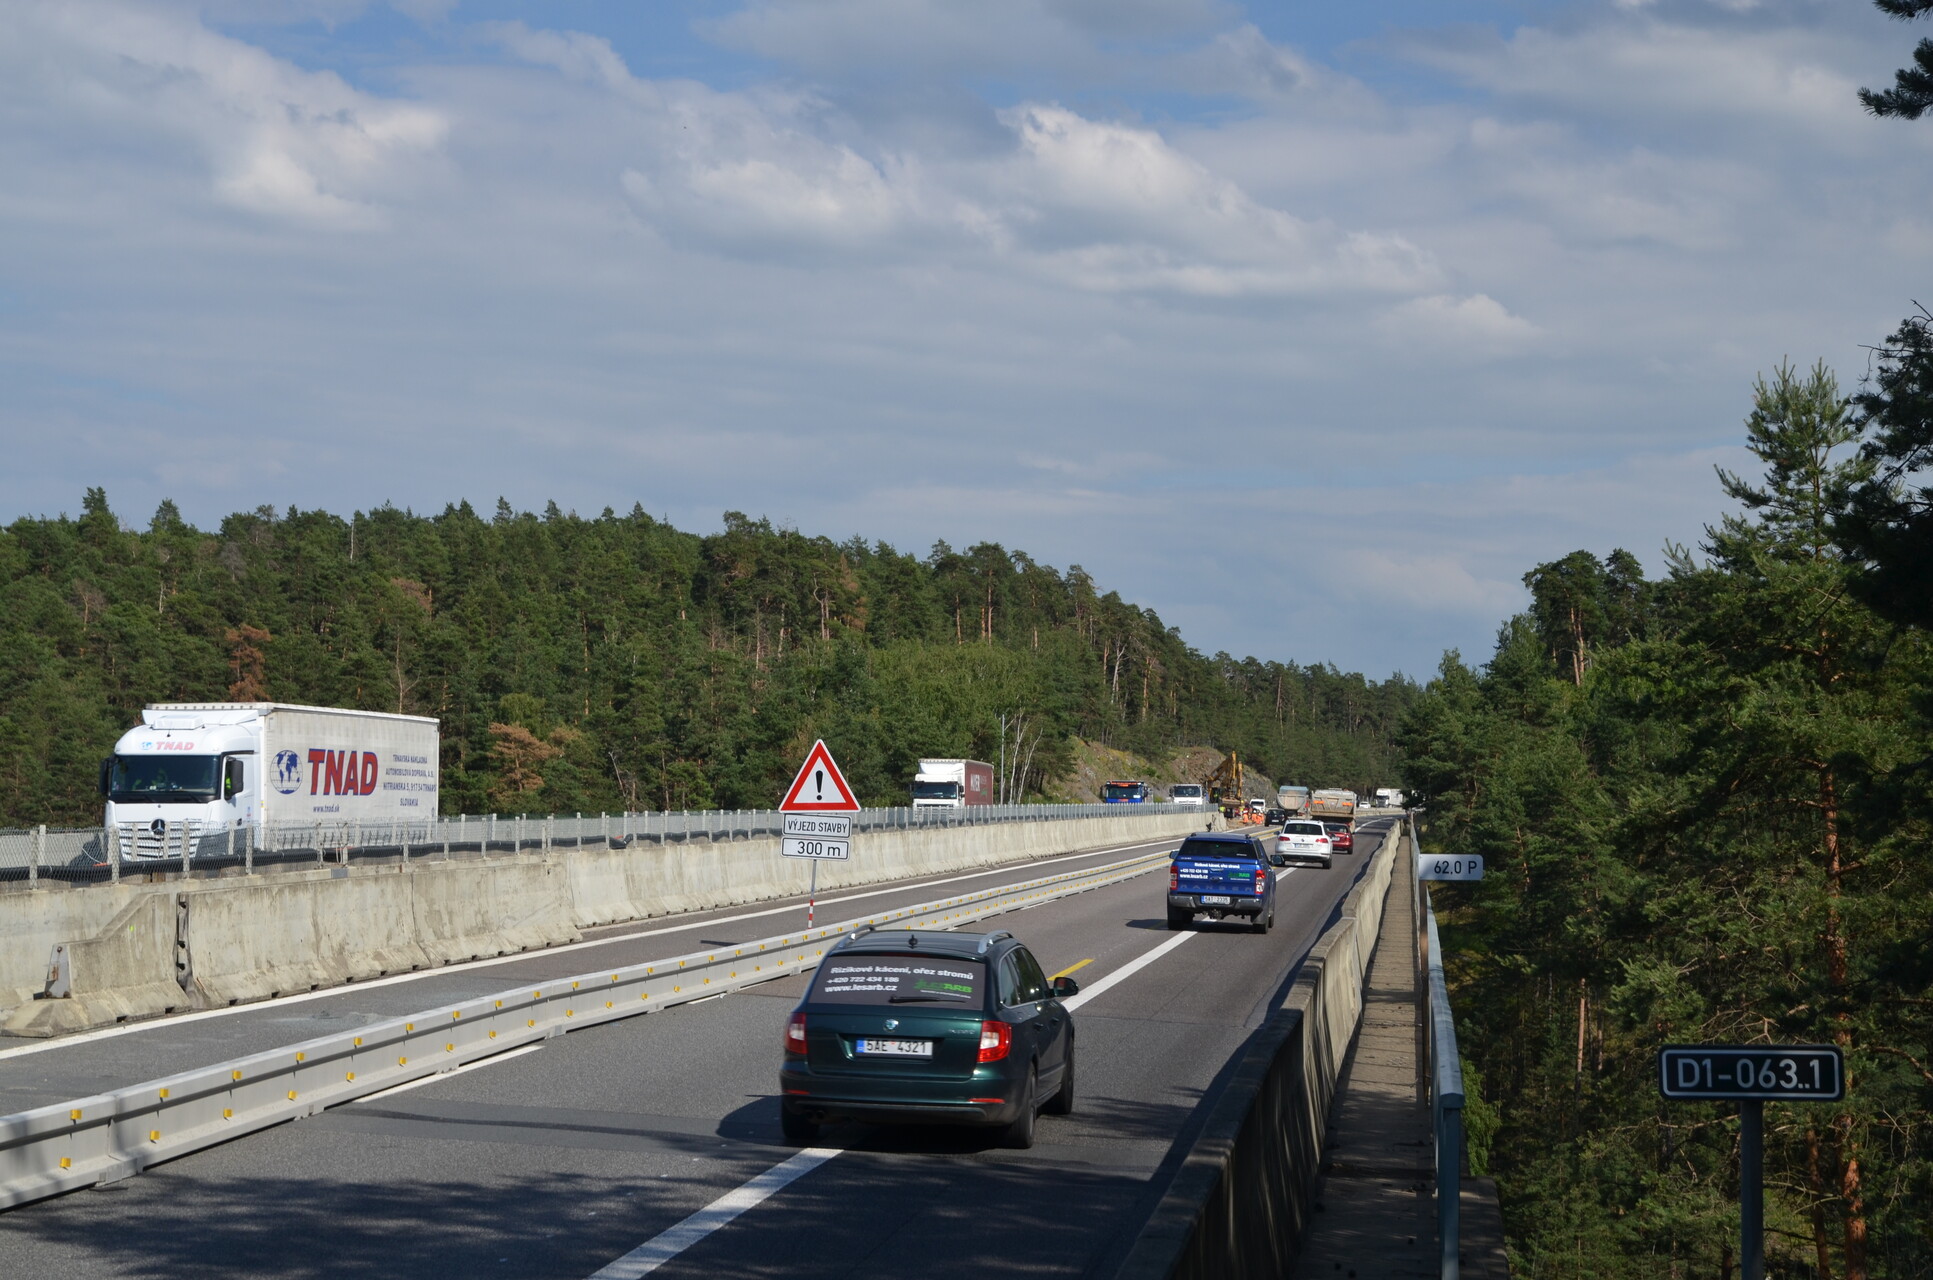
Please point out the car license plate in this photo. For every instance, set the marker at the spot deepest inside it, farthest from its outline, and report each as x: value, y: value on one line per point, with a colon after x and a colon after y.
x: 1215, y: 900
x: 896, y: 1048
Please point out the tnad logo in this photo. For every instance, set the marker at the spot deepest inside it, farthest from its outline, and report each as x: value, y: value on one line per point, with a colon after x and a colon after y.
x: 288, y: 772
x: 342, y: 773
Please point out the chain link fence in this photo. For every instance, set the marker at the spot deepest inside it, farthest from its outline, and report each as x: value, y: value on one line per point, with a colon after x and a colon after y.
x: 83, y: 855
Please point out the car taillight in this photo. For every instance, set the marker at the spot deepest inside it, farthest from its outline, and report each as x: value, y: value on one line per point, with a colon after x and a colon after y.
x: 795, y: 1035
x: 1174, y: 879
x: 1322, y: 839
x: 996, y: 1038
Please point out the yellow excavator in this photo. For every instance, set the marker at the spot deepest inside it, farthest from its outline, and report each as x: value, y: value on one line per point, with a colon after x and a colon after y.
x: 1225, y: 788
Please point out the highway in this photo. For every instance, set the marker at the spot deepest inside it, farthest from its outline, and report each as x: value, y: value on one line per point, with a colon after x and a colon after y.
x: 584, y: 1156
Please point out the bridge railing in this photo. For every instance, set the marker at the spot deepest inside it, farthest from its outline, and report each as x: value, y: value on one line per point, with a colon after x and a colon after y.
x: 91, y: 854
x: 1445, y: 1076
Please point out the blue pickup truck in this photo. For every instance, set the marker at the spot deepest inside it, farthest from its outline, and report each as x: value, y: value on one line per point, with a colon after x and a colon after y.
x: 1222, y: 874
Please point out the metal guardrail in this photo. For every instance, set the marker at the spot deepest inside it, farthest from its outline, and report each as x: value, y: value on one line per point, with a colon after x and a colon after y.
x: 90, y: 854
x: 1446, y: 1092
x: 109, y: 1136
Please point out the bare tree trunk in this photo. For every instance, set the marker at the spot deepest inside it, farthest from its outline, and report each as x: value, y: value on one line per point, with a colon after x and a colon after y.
x: 1816, y: 1177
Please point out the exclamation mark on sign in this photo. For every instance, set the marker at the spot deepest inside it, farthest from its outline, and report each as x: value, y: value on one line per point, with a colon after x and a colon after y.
x: 819, y: 783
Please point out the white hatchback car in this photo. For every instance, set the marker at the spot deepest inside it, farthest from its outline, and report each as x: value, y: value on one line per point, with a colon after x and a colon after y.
x: 1305, y: 839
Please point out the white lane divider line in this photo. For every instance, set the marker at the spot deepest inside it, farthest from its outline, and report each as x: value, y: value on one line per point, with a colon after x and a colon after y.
x: 1133, y: 967
x: 672, y: 1241
x: 440, y: 1076
x: 467, y: 966
x: 1127, y: 971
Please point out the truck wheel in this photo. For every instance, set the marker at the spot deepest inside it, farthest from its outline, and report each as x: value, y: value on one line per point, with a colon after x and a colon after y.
x: 1262, y: 923
x: 1178, y: 920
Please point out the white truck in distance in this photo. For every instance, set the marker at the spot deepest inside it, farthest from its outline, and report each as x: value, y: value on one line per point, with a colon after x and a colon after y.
x: 1388, y: 798
x: 194, y: 770
x: 952, y: 784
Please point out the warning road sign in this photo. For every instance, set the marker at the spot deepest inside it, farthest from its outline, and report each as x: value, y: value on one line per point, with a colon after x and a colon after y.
x: 820, y: 787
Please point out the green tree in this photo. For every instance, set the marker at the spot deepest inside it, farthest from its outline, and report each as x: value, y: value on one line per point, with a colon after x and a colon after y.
x: 1912, y: 91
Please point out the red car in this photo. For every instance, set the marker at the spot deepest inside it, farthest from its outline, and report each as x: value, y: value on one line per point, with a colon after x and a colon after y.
x: 1339, y: 838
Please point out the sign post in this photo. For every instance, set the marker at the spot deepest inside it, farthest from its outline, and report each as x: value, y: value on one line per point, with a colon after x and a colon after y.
x: 818, y: 823
x: 1749, y: 1074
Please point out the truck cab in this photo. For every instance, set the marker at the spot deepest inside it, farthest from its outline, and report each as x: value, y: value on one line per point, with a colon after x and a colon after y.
x: 1222, y: 874
x: 180, y: 778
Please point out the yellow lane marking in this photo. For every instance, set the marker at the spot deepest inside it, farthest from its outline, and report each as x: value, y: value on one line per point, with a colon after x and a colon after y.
x: 1070, y: 968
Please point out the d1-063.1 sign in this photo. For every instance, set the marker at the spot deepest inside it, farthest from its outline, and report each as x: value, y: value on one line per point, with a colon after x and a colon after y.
x: 1792, y: 1072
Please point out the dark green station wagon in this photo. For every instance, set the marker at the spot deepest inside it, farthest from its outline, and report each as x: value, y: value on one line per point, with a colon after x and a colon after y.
x: 929, y: 1028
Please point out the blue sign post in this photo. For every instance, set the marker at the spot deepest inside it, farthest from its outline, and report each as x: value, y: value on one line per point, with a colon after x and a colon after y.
x: 1748, y: 1074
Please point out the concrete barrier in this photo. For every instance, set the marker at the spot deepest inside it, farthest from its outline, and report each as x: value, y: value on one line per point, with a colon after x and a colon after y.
x: 241, y: 938
x: 1238, y: 1202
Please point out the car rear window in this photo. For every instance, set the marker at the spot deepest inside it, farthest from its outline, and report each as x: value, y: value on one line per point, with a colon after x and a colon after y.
x: 1218, y: 849
x: 879, y: 978
x: 1304, y: 829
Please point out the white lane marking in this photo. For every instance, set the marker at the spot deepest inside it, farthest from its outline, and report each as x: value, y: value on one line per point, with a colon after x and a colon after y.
x: 407, y: 1085
x: 672, y: 1241
x: 326, y: 993
x: 1133, y: 967
x: 1126, y: 971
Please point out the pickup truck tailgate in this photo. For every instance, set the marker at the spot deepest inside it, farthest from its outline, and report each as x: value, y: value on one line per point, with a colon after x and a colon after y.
x: 1229, y: 877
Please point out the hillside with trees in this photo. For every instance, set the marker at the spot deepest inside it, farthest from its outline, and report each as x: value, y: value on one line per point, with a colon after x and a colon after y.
x: 615, y: 662
x: 1705, y: 801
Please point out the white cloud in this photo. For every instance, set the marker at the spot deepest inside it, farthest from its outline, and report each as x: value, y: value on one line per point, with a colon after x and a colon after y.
x: 1191, y: 307
x: 1474, y: 324
x: 277, y: 140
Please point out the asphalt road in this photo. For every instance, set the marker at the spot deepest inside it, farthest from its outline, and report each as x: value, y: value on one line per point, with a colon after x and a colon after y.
x: 558, y: 1161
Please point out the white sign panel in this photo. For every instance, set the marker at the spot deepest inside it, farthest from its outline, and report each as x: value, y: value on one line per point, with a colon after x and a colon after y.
x: 1430, y: 866
x: 822, y: 826
x: 815, y: 847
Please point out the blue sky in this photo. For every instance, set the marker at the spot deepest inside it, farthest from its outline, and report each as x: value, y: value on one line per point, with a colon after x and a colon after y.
x: 1311, y: 326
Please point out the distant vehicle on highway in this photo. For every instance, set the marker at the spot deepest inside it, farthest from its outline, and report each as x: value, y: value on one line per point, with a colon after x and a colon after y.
x: 1187, y: 793
x: 1305, y: 839
x: 1333, y: 805
x: 193, y: 771
x: 1388, y: 798
x: 929, y: 1028
x: 1292, y: 800
x: 1119, y: 792
x: 952, y: 784
x: 1341, y: 839
x: 1222, y: 874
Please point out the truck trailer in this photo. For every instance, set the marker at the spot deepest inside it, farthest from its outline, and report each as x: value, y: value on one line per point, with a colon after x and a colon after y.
x: 1334, y: 805
x: 192, y: 771
x: 952, y: 784
x: 1292, y: 801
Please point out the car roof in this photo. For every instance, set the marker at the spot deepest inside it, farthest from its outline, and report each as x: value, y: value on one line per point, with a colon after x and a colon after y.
x: 1221, y: 837
x: 973, y: 945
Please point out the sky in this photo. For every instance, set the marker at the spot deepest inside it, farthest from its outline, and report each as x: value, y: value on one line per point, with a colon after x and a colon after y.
x: 1310, y: 326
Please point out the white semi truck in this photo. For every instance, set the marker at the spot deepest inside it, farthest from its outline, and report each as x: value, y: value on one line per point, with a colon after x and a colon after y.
x: 192, y: 771
x: 952, y: 784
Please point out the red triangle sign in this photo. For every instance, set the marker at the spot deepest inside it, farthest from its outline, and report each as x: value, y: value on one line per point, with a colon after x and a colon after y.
x: 820, y: 787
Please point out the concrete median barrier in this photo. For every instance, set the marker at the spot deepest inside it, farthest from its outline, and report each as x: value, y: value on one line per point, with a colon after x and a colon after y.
x: 237, y: 938
x: 1237, y: 1203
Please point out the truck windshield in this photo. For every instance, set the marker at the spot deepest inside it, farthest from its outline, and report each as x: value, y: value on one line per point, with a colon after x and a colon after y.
x: 936, y: 791
x: 165, y: 779
x: 1190, y: 792
x: 1124, y: 792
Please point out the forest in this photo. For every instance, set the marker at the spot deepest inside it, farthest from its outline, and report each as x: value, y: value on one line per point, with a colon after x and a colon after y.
x: 615, y: 662
x: 1704, y: 802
